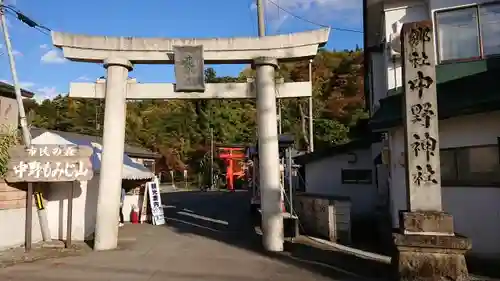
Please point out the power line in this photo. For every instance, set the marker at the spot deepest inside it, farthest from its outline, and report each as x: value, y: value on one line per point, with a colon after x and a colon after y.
x: 43, y: 29
x: 311, y: 22
x: 25, y: 19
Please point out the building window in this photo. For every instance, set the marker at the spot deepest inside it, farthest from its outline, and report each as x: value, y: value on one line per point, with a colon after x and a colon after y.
x: 470, y: 166
x: 468, y: 33
x: 489, y: 16
x: 356, y: 176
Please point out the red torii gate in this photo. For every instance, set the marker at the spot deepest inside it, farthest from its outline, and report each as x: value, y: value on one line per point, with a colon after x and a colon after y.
x: 231, y: 156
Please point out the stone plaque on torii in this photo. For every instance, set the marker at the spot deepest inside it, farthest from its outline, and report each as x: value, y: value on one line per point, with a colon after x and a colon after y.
x: 189, y: 69
x: 120, y: 53
x: 427, y: 247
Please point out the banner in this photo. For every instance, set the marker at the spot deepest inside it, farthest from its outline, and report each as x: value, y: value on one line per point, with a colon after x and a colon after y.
x: 155, y: 202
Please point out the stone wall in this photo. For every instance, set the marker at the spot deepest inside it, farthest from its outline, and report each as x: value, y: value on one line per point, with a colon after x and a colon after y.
x: 12, y: 196
x: 324, y: 216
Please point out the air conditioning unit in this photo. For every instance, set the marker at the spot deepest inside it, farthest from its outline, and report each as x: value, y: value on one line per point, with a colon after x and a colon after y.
x: 394, y: 41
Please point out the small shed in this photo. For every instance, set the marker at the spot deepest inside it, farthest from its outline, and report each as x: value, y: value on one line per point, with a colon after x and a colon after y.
x: 345, y: 170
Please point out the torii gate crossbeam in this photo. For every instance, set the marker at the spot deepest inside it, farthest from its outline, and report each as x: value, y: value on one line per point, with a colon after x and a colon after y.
x: 120, y: 53
x: 139, y: 91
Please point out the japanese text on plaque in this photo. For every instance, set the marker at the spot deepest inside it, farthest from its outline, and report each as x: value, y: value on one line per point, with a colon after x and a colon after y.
x: 50, y: 163
x: 421, y: 108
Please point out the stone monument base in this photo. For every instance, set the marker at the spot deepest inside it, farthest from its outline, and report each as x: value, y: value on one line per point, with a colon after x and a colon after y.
x: 429, y: 255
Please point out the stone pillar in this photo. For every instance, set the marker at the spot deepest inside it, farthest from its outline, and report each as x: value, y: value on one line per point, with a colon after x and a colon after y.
x: 110, y: 178
x: 269, y: 173
x: 427, y: 247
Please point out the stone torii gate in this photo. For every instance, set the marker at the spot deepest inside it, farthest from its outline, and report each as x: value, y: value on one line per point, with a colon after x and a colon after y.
x: 119, y: 54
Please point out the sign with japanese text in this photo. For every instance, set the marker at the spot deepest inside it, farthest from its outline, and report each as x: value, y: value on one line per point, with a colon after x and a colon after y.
x: 421, y: 117
x: 155, y: 202
x: 189, y: 69
x: 50, y: 163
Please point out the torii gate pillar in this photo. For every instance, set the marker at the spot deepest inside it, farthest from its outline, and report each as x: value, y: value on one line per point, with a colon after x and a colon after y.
x: 110, y: 178
x: 269, y: 170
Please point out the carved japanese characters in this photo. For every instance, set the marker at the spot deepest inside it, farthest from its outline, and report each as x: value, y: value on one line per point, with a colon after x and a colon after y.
x: 421, y: 117
x: 189, y: 69
x: 50, y: 163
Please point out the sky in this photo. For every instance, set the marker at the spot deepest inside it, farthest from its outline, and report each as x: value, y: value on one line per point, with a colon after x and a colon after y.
x: 42, y: 69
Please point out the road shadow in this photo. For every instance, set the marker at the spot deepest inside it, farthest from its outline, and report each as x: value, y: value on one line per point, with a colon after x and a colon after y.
x: 484, y: 267
x: 226, y: 217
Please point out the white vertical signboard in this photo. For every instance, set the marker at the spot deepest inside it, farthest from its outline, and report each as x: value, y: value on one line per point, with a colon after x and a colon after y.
x: 155, y: 202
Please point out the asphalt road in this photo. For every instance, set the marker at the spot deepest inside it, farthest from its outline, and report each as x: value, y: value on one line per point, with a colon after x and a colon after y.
x: 208, y: 236
x: 225, y: 217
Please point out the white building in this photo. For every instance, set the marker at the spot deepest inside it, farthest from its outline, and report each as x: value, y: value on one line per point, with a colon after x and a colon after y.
x: 468, y: 76
x: 344, y: 171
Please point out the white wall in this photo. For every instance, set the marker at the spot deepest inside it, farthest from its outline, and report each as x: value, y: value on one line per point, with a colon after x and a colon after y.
x: 12, y: 229
x: 476, y: 210
x: 395, y: 17
x: 324, y: 177
x: 84, y: 208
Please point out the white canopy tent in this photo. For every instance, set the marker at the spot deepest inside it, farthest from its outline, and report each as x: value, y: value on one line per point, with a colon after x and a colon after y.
x: 85, y: 198
x: 130, y: 169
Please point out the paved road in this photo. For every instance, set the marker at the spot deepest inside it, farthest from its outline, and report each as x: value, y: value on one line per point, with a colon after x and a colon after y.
x: 209, y: 236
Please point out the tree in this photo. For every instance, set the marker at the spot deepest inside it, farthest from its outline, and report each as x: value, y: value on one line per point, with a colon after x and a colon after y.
x: 180, y: 130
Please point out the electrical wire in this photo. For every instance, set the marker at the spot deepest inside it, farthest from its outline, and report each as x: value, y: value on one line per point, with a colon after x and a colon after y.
x: 44, y: 30
x: 25, y: 19
x: 312, y: 22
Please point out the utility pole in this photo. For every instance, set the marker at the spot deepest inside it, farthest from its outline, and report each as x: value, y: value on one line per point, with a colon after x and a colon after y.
x: 211, y: 158
x: 311, y: 125
x: 262, y: 32
x: 42, y: 213
x: 279, y: 118
x: 260, y: 17
x: 17, y: 87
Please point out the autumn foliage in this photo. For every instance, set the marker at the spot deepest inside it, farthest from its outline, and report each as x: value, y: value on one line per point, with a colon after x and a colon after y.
x: 180, y: 130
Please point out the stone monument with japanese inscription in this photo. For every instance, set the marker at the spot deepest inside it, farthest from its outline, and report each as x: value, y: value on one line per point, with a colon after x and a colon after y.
x: 427, y: 246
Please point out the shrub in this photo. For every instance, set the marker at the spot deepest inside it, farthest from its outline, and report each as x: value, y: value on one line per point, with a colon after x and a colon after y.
x: 8, y: 138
